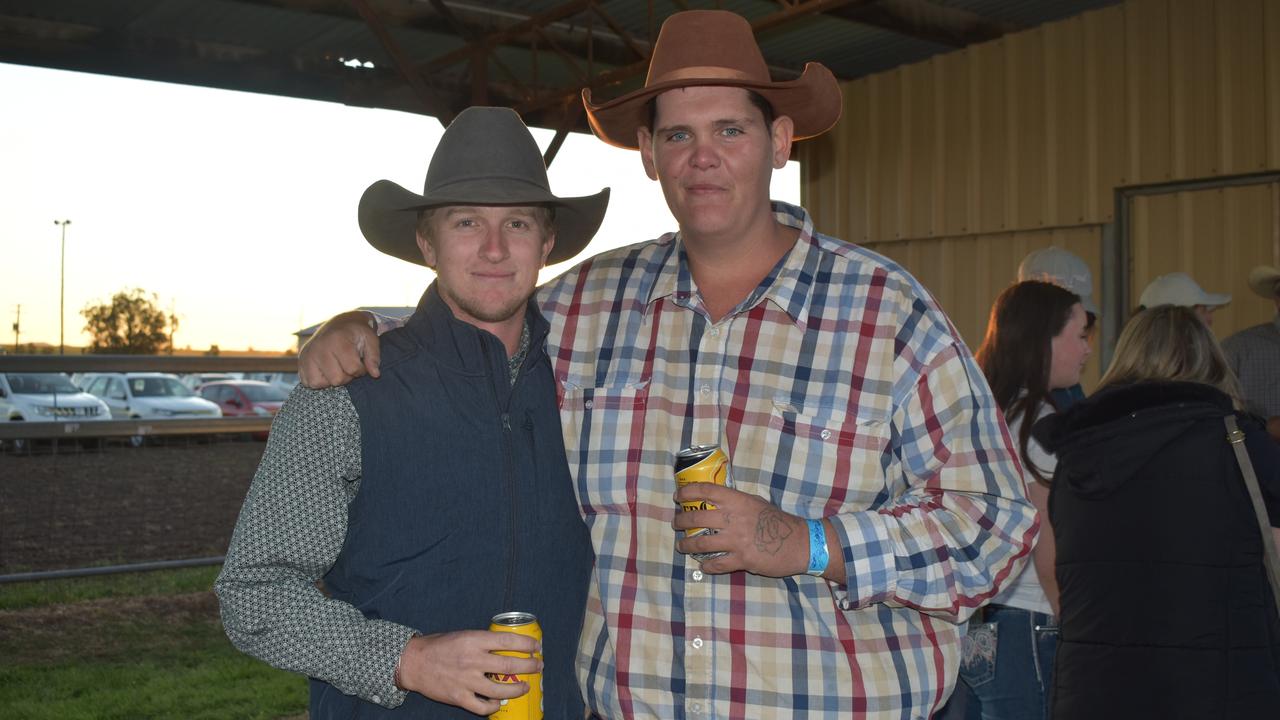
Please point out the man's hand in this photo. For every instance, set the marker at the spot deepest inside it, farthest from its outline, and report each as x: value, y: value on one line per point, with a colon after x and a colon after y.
x: 451, y: 668
x: 343, y: 349
x: 1273, y: 427
x: 759, y: 537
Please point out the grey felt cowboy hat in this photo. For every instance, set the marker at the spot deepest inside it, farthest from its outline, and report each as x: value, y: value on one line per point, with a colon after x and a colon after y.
x: 485, y: 157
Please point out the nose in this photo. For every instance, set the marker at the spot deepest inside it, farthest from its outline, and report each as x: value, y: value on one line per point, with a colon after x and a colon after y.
x: 494, y: 246
x: 704, y: 155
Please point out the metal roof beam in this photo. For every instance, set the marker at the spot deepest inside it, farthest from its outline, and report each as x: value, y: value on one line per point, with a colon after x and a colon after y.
x: 927, y: 21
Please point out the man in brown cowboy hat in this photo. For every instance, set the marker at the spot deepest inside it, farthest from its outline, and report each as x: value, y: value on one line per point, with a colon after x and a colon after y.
x: 437, y: 497
x: 1254, y: 353
x: 874, y: 501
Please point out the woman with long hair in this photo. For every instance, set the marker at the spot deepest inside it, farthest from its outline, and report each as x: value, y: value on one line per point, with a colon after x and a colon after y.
x: 1037, y: 342
x: 1166, y: 607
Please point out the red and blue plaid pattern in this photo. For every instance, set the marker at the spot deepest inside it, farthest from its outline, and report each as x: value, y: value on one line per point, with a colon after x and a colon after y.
x: 839, y: 389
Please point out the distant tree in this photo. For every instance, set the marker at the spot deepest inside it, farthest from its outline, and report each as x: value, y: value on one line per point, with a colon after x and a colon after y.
x: 130, y: 324
x: 213, y: 351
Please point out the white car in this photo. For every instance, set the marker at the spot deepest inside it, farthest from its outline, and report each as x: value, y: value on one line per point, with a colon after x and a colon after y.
x: 148, y: 395
x: 46, y: 397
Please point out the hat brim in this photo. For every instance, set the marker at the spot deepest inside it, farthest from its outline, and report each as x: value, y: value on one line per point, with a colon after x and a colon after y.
x: 388, y: 214
x: 812, y: 101
x: 1215, y: 299
x: 1265, y: 281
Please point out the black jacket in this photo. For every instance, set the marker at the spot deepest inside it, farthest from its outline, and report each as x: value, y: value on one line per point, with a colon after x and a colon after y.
x: 1166, y: 608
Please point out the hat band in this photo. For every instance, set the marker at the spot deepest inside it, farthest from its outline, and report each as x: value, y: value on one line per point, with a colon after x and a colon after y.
x: 706, y: 72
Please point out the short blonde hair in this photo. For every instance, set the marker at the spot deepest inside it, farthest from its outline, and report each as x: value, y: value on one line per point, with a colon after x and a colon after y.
x: 1169, y: 342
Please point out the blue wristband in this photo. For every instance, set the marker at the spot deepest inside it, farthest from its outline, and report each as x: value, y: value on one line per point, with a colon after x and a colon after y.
x: 817, y: 548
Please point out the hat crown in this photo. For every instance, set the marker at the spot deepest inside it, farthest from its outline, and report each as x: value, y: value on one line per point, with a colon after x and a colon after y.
x: 490, y: 146
x: 694, y: 44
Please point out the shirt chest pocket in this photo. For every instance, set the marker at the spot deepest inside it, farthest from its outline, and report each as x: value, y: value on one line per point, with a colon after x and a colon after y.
x: 604, y: 430
x: 826, y: 458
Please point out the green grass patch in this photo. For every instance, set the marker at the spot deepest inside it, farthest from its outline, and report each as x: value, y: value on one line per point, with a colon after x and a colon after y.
x: 139, y: 646
x: 15, y: 596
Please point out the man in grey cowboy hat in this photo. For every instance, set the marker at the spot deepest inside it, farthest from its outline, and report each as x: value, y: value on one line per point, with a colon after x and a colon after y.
x: 437, y: 497
x: 1254, y: 353
x: 875, y: 498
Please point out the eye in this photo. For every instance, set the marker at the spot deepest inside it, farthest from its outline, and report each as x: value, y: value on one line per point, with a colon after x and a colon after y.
x: 519, y: 224
x: 678, y: 136
x: 732, y: 132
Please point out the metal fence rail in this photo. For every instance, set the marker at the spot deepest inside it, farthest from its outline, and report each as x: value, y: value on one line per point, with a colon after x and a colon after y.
x: 70, y: 430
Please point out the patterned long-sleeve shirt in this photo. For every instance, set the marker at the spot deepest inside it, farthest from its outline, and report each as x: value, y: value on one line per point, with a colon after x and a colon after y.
x: 840, y: 391
x: 290, y: 531
x: 1254, y: 354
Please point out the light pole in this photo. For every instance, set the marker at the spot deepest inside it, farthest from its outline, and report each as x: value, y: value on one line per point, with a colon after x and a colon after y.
x: 62, y: 287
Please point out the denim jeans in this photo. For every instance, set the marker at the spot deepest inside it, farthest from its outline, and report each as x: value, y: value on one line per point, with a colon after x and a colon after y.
x: 1006, y: 671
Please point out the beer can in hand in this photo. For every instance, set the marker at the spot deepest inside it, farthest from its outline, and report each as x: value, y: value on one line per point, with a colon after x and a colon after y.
x: 529, y: 705
x: 701, y: 464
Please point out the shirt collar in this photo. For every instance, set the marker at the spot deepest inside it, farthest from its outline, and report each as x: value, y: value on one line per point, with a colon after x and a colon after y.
x: 789, y: 285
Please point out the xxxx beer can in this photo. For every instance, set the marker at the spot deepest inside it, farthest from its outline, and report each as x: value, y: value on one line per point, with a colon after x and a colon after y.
x: 529, y: 705
x: 701, y: 464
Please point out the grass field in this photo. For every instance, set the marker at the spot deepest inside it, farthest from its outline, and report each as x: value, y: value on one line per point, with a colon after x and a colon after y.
x: 145, y: 645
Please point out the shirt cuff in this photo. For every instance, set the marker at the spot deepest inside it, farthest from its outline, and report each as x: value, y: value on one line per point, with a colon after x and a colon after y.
x: 866, y: 548
x: 382, y: 688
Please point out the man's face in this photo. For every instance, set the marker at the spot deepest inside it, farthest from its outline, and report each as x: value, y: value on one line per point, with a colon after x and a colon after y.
x: 713, y: 154
x: 486, y: 258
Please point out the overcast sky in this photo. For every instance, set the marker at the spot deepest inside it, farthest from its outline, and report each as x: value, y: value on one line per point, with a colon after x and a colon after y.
x: 238, y: 210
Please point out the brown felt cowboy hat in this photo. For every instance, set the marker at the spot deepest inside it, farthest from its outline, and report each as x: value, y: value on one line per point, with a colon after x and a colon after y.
x: 716, y: 47
x: 485, y: 157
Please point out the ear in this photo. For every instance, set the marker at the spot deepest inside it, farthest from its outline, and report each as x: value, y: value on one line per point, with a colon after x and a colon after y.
x: 783, y: 131
x: 645, y: 140
x: 548, y: 243
x: 428, y: 252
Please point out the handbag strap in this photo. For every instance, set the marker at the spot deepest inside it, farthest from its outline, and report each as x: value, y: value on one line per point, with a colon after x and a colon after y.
x: 1272, y: 561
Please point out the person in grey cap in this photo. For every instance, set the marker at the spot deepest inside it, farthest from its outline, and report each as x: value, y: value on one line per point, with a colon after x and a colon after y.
x: 438, y: 496
x: 1254, y: 353
x: 1177, y: 288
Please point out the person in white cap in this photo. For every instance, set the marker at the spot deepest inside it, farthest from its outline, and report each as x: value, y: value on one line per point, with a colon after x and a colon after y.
x: 1254, y: 353
x: 1066, y: 270
x: 1177, y: 288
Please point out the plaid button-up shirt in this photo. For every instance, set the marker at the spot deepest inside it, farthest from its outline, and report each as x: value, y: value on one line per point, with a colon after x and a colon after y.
x: 839, y: 390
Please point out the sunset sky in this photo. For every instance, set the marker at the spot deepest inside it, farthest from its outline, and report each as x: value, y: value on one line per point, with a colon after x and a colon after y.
x: 237, y: 210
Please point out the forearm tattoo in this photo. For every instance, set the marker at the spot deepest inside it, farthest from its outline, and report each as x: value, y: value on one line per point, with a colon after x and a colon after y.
x: 772, y: 530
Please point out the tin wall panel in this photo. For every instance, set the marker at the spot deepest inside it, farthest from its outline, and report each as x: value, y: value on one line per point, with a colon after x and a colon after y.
x: 1106, y: 118
x: 1147, y: 63
x: 955, y: 136
x: 920, y: 151
x: 1027, y: 128
x: 1241, y: 73
x: 1066, y: 180
x: 886, y: 119
x: 1194, y: 89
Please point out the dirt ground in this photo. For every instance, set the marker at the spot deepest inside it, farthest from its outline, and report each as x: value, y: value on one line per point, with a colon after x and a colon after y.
x: 117, y: 505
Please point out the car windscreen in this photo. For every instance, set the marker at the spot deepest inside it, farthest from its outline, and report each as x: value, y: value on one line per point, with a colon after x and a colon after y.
x: 263, y: 393
x: 158, y: 387
x: 40, y: 383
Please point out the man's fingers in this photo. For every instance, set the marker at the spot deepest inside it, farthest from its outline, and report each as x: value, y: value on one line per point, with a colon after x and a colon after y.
x: 713, y: 519
x: 371, y: 352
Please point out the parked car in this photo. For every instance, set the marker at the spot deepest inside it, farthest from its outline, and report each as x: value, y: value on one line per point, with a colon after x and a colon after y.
x: 46, y: 397
x: 244, y: 398
x: 195, y: 380
x: 285, y: 381
x: 148, y: 395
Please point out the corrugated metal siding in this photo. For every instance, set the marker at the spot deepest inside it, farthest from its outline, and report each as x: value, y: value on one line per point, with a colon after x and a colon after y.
x: 1047, y: 122
x: 1036, y: 130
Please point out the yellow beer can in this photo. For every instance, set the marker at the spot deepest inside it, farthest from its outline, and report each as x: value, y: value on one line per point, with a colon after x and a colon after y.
x: 529, y: 705
x: 701, y: 464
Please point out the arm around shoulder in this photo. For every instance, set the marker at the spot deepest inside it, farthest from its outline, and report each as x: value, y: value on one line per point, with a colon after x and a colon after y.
x: 343, y: 349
